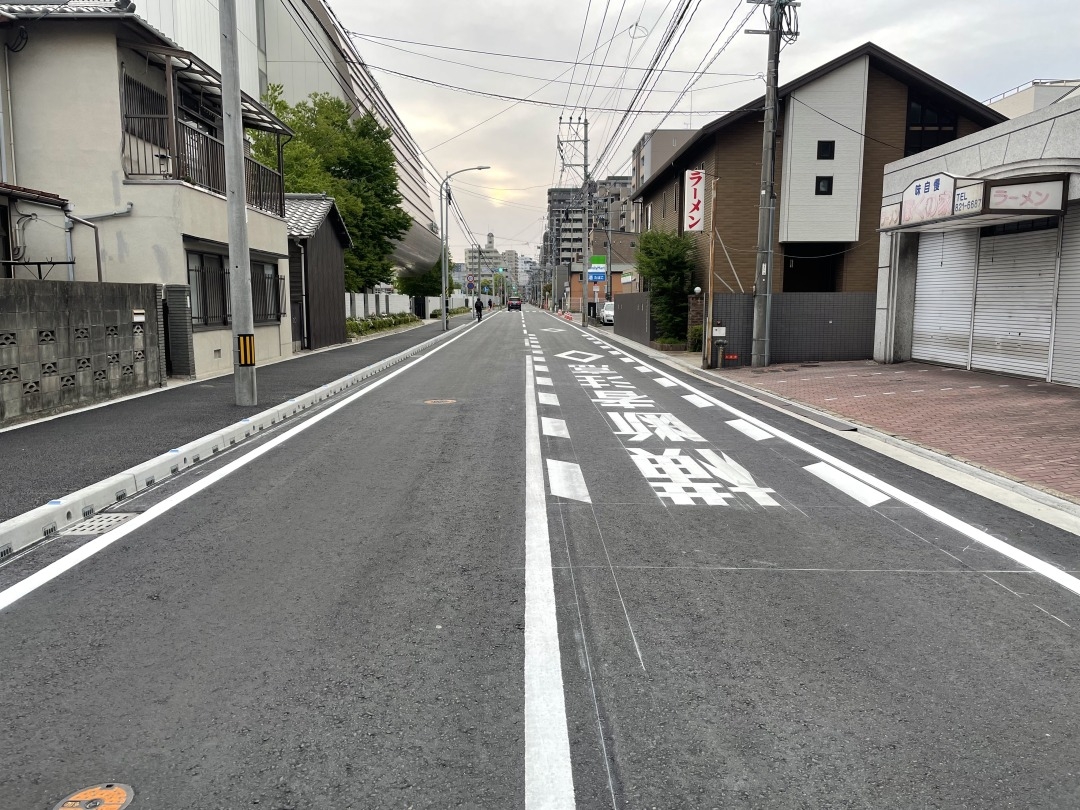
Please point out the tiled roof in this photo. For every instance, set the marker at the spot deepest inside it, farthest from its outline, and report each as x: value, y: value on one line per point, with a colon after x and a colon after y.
x: 305, y: 214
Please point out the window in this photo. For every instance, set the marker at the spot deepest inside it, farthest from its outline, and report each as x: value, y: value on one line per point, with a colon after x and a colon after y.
x: 929, y: 124
x: 208, y: 280
x: 1022, y: 226
x: 823, y: 186
x: 826, y: 150
x: 648, y: 217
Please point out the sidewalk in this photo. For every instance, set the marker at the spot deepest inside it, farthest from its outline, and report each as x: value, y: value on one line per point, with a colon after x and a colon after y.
x: 53, y: 457
x: 1021, y: 429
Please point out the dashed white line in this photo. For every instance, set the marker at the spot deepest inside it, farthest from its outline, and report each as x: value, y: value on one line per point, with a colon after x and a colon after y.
x: 866, y: 495
x: 548, y: 399
x: 544, y: 381
x: 664, y: 382
x: 566, y: 481
x: 554, y: 427
x: 699, y: 401
x: 753, y: 431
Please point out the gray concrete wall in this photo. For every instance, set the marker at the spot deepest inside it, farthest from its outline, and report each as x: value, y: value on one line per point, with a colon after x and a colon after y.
x: 632, y: 317
x: 70, y: 344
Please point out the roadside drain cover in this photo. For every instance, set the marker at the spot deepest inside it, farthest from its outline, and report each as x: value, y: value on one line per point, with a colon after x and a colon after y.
x: 99, y: 524
x: 104, y: 797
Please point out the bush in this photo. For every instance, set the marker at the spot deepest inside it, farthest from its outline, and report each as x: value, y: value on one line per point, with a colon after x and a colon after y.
x: 378, y: 323
x: 694, y: 338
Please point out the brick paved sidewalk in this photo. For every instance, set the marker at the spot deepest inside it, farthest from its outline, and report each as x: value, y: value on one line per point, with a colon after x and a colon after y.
x: 1025, y: 430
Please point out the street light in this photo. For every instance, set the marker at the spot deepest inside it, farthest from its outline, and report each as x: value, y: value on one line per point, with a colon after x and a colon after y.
x: 444, y: 213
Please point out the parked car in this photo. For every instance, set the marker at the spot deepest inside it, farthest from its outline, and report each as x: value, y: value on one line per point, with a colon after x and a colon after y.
x: 607, y: 314
x: 513, y: 303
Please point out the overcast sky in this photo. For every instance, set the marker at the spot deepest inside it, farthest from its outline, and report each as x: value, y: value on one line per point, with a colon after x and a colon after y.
x: 981, y: 48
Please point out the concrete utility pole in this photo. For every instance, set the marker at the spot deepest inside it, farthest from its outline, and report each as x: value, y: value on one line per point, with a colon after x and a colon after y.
x: 242, y: 316
x: 767, y: 202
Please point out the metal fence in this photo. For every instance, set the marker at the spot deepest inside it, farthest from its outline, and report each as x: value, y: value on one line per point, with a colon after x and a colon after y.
x: 210, y: 296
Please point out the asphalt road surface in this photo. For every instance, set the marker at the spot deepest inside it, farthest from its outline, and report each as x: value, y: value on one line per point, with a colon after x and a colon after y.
x: 531, y: 569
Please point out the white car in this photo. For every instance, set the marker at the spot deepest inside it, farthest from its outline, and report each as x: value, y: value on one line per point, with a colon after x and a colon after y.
x: 607, y: 314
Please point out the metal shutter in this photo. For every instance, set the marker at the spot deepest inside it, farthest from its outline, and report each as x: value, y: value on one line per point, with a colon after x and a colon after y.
x: 1014, y: 299
x: 944, y: 286
x: 1066, y: 366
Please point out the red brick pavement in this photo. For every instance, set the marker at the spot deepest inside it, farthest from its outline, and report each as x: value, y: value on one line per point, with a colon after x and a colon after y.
x: 1023, y: 429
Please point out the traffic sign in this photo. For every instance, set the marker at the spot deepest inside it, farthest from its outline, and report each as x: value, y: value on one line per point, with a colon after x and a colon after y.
x: 469, y: 277
x: 470, y: 285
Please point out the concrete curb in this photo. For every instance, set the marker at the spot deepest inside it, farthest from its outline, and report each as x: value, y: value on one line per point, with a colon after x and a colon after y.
x: 807, y: 412
x: 31, y: 527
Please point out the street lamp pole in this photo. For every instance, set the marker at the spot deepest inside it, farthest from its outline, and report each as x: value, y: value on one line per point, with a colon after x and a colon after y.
x: 444, y: 206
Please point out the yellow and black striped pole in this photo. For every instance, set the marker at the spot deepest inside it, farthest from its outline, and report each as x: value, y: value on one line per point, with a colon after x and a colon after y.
x: 245, y: 350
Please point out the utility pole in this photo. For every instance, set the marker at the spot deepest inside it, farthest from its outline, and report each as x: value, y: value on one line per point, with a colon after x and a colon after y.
x: 767, y: 202
x: 241, y: 316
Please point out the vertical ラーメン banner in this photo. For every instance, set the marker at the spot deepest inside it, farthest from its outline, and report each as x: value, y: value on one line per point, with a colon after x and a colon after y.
x: 694, y: 207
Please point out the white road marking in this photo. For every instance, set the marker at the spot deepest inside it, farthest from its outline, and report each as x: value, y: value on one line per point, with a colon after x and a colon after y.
x: 1062, y: 578
x: 549, y: 779
x: 614, y: 352
x: 554, y: 427
x: 753, y: 431
x: 566, y: 481
x: 866, y: 495
x: 664, y: 382
x: 548, y: 399
x: 543, y: 380
x: 543, y: 369
x: 50, y: 572
x: 700, y: 401
x: 644, y: 369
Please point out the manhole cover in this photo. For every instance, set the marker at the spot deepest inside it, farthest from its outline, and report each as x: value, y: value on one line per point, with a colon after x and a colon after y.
x: 103, y: 797
x: 99, y: 524
x: 439, y: 401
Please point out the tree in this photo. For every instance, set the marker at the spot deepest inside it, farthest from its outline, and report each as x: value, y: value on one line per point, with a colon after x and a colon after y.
x: 664, y: 261
x: 350, y: 159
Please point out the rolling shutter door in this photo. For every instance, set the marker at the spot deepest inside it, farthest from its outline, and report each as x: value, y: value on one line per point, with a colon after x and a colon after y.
x: 1067, y: 328
x: 1013, y: 303
x: 944, y: 287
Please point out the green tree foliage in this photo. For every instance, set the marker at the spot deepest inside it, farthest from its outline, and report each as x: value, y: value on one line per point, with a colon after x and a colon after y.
x: 427, y: 285
x: 350, y: 159
x: 664, y: 261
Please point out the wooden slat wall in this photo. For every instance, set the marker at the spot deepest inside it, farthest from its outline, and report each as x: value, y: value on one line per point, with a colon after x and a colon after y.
x: 325, y: 288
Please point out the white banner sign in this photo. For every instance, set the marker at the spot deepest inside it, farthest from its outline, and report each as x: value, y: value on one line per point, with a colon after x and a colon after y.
x: 968, y: 200
x: 928, y: 199
x: 694, y: 207
x: 1047, y: 195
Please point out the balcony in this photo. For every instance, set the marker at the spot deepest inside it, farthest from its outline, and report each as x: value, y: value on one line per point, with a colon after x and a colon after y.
x: 171, y: 130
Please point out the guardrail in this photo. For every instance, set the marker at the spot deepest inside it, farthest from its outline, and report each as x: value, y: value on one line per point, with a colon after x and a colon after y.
x: 25, y: 530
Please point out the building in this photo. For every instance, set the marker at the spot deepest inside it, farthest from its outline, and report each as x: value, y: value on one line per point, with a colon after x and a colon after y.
x: 837, y: 127
x: 125, y: 124
x: 980, y: 250
x: 654, y: 150
x: 301, y: 46
x: 318, y: 240
x: 1034, y: 96
x: 613, y: 259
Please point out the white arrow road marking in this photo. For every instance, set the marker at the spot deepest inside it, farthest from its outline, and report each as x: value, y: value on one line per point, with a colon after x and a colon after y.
x: 548, y: 399
x: 549, y: 779
x: 554, y: 427
x: 753, y: 431
x: 566, y: 481
x: 847, y: 484
x: 737, y: 477
x: 700, y: 401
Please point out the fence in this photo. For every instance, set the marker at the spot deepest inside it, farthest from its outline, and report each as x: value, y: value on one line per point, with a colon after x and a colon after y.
x: 632, y: 317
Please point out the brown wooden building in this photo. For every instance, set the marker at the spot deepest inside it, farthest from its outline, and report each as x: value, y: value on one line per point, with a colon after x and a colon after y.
x: 837, y: 128
x: 318, y: 239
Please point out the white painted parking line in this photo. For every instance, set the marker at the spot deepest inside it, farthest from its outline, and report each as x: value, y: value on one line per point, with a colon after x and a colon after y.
x: 566, y: 481
x: 697, y: 400
x: 664, y: 382
x: 753, y: 431
x: 548, y: 399
x: 866, y: 495
x: 554, y: 427
x: 549, y: 779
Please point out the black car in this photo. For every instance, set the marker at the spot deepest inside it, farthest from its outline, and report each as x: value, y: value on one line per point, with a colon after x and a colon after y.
x: 513, y: 303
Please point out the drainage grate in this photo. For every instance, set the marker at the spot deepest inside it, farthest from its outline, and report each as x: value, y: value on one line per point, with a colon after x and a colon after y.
x: 5, y: 550
x: 99, y: 524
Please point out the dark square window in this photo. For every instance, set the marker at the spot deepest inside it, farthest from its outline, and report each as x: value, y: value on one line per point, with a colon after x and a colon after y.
x: 826, y: 150
x: 823, y: 186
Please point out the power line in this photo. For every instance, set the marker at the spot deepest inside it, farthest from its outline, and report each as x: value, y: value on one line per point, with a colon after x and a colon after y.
x: 845, y: 126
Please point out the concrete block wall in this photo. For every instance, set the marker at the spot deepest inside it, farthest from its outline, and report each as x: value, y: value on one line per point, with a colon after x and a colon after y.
x: 69, y: 344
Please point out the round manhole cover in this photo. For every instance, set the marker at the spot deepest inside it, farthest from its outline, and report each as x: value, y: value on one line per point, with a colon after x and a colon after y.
x: 439, y: 401
x: 110, y: 796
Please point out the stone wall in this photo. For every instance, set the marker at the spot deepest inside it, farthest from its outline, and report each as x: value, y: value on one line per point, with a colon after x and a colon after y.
x: 69, y: 344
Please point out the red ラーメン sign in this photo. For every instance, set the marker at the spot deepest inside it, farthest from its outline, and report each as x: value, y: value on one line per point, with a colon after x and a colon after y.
x: 694, y: 217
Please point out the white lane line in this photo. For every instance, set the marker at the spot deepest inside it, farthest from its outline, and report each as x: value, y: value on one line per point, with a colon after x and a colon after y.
x: 868, y: 496
x: 753, y: 431
x: 554, y: 427
x: 700, y: 401
x: 67, y: 562
x: 644, y: 369
x: 549, y: 780
x: 614, y: 352
x: 542, y: 369
x: 548, y: 399
x: 664, y: 382
x: 543, y: 380
x: 566, y: 481
x: 628, y: 359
